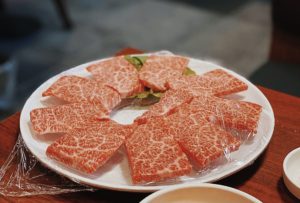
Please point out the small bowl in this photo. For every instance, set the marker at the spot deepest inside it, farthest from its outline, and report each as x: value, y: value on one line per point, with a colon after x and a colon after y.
x: 291, y: 172
x: 201, y: 192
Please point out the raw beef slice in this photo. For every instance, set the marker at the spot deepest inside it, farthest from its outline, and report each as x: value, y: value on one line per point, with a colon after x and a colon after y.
x: 154, y: 155
x: 206, y: 142
x: 118, y: 74
x: 182, y: 118
x: 201, y: 140
x: 75, y: 89
x: 217, y: 82
x: 60, y: 119
x: 231, y: 114
x: 157, y: 70
x: 169, y: 101
x: 88, y: 148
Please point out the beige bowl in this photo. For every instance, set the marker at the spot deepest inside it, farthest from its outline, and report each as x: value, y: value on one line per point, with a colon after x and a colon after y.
x: 291, y: 172
x: 200, y: 193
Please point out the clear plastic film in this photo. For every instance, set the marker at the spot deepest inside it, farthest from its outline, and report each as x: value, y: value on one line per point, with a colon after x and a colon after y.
x: 23, y: 175
x: 252, y: 133
x: 251, y: 145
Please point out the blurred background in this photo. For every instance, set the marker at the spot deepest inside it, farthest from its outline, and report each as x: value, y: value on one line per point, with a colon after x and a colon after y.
x: 258, y: 39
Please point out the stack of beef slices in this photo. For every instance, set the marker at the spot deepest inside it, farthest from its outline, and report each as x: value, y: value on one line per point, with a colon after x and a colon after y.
x: 188, y: 129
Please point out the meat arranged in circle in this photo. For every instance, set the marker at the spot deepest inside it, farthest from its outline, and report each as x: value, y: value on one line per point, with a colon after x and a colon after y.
x: 230, y: 114
x: 118, y: 74
x: 154, y: 155
x: 169, y: 101
x: 217, y: 82
x: 157, y: 70
x: 90, y: 147
x: 60, y: 119
x: 75, y: 89
x: 190, y: 121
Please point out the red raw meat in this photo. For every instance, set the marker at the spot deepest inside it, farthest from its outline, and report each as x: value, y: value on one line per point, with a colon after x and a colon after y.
x: 169, y: 101
x: 75, y: 89
x: 217, y: 82
x: 201, y: 140
x: 154, y: 155
x: 158, y: 69
x: 90, y: 147
x: 206, y: 142
x: 231, y: 114
x: 59, y: 119
x: 183, y: 117
x: 118, y: 74
x: 190, y: 120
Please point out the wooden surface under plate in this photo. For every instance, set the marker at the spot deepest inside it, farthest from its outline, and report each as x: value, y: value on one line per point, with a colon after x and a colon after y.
x: 262, y: 179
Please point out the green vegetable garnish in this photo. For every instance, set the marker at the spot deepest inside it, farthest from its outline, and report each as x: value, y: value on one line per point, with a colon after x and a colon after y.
x: 157, y: 94
x: 147, y: 94
x: 137, y: 61
x: 188, y: 72
x: 142, y: 95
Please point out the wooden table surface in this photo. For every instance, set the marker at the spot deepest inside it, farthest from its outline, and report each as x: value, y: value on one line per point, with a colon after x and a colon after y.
x: 263, y: 179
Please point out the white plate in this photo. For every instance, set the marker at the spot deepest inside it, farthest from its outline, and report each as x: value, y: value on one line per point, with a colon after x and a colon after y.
x: 115, y: 174
x: 200, y: 193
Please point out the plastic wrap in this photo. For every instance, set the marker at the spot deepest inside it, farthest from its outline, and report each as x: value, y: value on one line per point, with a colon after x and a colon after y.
x: 23, y: 175
x: 250, y: 143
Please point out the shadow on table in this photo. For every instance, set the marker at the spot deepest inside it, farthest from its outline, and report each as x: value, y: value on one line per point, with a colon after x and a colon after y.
x: 284, y: 193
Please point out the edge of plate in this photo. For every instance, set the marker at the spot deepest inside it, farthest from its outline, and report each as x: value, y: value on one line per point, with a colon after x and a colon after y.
x: 148, y: 188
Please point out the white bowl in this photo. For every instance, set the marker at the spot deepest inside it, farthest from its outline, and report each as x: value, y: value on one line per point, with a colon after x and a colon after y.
x: 200, y: 193
x: 291, y: 172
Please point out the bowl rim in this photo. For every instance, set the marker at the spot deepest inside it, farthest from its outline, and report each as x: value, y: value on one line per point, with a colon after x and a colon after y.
x: 200, y: 185
x: 285, y: 162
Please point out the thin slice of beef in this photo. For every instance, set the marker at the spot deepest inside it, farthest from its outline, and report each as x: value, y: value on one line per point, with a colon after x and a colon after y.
x: 205, y: 143
x: 169, y: 101
x: 202, y: 141
x: 75, y: 89
x: 154, y: 155
x: 60, y: 119
x: 230, y: 114
x: 89, y: 147
x: 118, y: 74
x: 157, y: 70
x: 217, y: 82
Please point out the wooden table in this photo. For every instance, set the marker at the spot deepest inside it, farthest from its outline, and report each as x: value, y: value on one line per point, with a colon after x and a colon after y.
x: 263, y: 179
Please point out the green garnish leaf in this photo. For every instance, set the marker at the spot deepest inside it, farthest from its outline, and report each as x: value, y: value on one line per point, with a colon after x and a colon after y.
x: 142, y: 95
x: 137, y: 61
x: 147, y: 94
x: 157, y: 94
x: 142, y: 59
x: 188, y: 72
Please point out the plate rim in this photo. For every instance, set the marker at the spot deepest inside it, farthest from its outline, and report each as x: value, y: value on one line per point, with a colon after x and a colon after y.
x: 146, y: 188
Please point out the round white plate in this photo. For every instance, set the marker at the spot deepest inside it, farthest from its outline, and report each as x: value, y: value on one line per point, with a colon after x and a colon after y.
x: 115, y: 174
x: 200, y: 193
